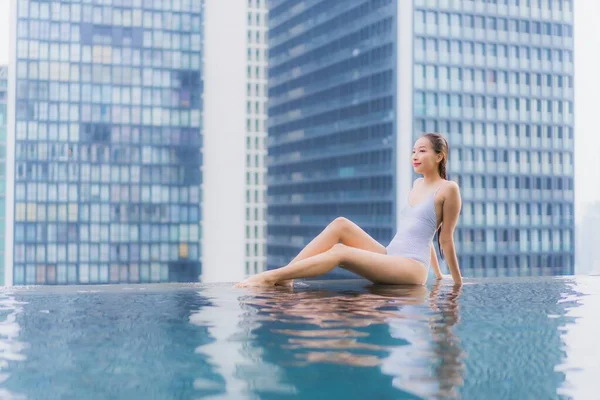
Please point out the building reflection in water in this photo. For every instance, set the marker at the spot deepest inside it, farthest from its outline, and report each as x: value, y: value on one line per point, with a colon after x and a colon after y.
x: 231, y: 352
x: 579, y: 334
x: 11, y: 347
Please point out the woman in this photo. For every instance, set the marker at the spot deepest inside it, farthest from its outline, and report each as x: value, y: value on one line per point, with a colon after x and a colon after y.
x: 433, y: 206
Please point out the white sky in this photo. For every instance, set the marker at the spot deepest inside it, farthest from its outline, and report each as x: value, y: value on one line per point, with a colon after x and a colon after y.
x: 587, y: 95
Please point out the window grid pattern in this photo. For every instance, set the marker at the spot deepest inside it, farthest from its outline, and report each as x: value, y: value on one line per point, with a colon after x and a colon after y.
x: 256, y: 119
x: 3, y: 123
x: 497, y: 78
x: 108, y: 141
x: 331, y: 121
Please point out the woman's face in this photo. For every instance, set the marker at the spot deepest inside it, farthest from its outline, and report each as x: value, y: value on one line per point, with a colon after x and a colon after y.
x: 424, y: 158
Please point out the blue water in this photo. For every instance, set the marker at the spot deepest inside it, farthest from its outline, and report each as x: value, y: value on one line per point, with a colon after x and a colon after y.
x: 492, y: 339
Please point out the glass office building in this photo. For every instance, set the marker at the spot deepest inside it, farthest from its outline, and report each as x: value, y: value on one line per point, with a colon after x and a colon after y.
x: 3, y: 120
x: 353, y: 84
x: 331, y: 121
x: 234, y: 145
x: 106, y: 178
x: 255, y: 42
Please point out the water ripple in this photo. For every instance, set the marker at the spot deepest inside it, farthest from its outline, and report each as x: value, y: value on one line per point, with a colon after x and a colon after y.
x: 405, y: 332
x: 492, y: 338
x: 11, y: 348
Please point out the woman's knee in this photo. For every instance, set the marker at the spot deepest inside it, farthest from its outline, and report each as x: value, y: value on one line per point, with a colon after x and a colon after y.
x: 338, y: 252
x: 341, y: 224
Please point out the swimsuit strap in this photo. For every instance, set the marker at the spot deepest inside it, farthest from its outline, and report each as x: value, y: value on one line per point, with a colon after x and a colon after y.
x: 438, y: 189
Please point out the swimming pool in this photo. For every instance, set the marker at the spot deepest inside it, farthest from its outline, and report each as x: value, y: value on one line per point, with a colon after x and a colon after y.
x: 493, y: 338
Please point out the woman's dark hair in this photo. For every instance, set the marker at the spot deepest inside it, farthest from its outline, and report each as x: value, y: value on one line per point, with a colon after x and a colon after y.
x: 440, y: 146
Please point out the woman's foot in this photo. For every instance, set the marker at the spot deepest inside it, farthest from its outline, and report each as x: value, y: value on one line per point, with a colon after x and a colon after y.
x: 262, y: 279
x: 289, y: 283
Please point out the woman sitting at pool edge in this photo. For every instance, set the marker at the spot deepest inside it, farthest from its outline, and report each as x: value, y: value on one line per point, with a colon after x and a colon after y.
x: 434, y: 205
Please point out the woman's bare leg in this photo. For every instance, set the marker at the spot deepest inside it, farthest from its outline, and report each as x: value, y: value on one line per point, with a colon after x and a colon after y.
x: 377, y: 268
x: 340, y: 230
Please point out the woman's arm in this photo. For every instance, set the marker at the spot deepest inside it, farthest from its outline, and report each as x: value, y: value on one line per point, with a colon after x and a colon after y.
x: 450, y: 213
x: 434, y: 262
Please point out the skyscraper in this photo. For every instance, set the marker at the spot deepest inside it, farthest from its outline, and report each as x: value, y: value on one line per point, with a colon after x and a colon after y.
x: 104, y: 167
x: 234, y: 148
x: 3, y: 118
x: 354, y: 83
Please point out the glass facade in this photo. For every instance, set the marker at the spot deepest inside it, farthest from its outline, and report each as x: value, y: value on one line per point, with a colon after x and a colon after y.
x: 108, y: 141
x: 495, y: 77
x: 331, y: 120
x: 3, y: 122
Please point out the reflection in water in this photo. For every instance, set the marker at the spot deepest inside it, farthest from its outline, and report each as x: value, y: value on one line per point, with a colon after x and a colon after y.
x: 231, y: 353
x: 405, y: 332
x: 581, y: 362
x: 111, y: 344
x: 526, y: 338
x: 432, y: 362
x: 510, y: 328
x: 11, y: 348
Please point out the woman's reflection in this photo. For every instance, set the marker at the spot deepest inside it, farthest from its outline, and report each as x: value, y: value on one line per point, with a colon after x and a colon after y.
x: 431, y: 364
x: 325, y: 326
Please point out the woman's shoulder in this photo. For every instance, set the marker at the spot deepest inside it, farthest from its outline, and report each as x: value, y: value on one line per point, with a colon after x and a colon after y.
x: 450, y: 184
x: 450, y: 189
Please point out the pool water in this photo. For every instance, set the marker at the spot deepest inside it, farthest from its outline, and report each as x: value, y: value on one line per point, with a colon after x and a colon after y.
x: 522, y: 338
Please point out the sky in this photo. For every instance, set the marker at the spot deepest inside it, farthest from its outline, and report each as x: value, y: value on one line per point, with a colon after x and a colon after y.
x: 587, y: 96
